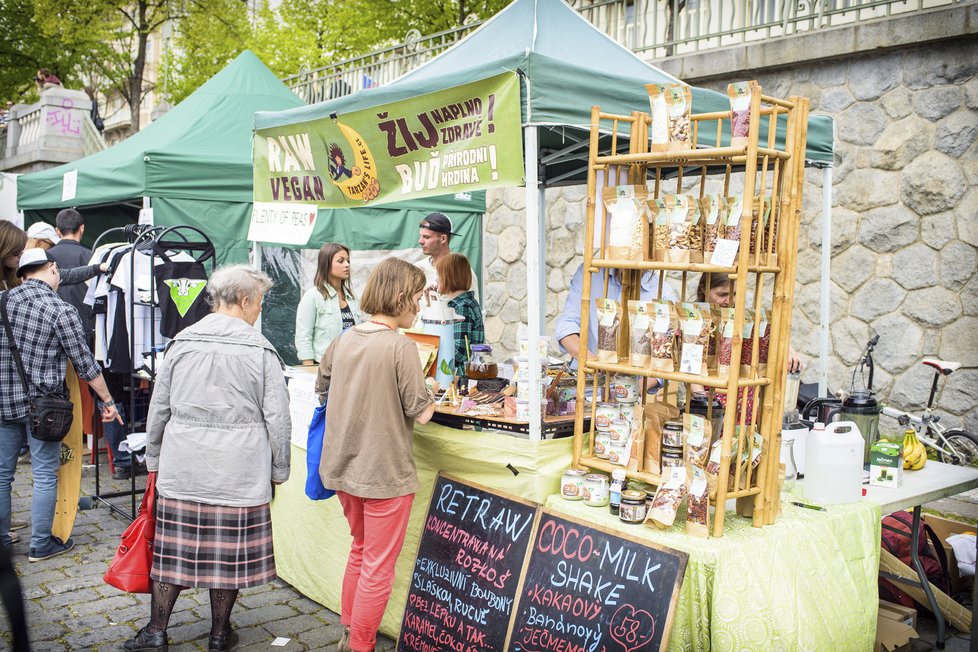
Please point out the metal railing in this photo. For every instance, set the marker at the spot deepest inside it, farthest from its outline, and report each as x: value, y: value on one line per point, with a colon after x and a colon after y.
x: 654, y: 28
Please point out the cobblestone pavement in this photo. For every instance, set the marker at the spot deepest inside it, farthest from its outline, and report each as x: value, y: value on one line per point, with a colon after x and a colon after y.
x: 69, y: 607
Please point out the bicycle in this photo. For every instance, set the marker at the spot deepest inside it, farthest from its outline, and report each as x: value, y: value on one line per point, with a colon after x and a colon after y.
x: 952, y: 445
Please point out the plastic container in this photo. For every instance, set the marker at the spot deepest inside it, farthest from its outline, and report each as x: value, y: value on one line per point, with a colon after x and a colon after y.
x: 834, y: 465
x: 481, y: 366
x: 614, y: 492
x: 596, y: 490
x: 572, y: 484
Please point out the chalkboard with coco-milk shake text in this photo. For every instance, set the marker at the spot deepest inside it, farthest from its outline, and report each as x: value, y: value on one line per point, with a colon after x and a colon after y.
x: 467, y: 569
x: 588, y: 589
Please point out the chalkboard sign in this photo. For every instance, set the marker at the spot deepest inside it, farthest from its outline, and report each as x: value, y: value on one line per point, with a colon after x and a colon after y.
x: 588, y: 589
x: 467, y: 569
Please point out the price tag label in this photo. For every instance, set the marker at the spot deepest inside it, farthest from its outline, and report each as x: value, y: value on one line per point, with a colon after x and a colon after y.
x: 698, y: 486
x: 692, y: 359
x: 725, y: 253
x: 677, y: 478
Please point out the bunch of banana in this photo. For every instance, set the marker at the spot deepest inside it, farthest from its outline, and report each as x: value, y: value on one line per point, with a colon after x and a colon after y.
x: 914, y: 453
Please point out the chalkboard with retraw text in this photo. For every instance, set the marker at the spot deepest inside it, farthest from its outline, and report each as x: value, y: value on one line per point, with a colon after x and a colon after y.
x: 587, y: 589
x: 467, y: 569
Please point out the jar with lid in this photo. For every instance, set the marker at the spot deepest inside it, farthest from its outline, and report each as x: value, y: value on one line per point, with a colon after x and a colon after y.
x: 618, y: 452
x: 572, y: 484
x: 632, y: 509
x: 671, y: 456
x: 596, y: 490
x: 481, y: 366
x: 672, y: 433
x: 699, y: 404
x: 614, y: 492
x: 602, y: 442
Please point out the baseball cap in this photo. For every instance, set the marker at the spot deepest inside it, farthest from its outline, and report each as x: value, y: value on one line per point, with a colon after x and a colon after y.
x: 32, y: 258
x: 439, y: 223
x: 43, y: 231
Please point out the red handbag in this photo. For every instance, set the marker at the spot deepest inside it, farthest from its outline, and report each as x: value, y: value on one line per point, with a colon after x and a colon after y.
x: 129, y: 569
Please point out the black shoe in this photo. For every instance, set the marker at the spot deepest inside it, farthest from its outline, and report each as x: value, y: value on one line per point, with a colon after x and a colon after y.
x: 54, y: 547
x: 121, y: 473
x: 145, y: 641
x: 222, y: 643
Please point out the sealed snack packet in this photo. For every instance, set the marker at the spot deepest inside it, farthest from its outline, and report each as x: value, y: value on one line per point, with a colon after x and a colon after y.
x: 695, y: 326
x: 747, y: 348
x: 663, y: 333
x: 732, y: 225
x: 659, y: 112
x: 628, y: 228
x: 725, y: 342
x: 758, y: 231
x: 697, y: 433
x: 682, y: 223
x: 640, y: 339
x: 668, y: 498
x: 636, y: 445
x: 658, y: 214
x: 609, y: 323
x: 698, y: 506
x: 739, y: 93
x: 710, y: 211
x: 713, y: 466
x: 763, y: 327
x: 679, y: 99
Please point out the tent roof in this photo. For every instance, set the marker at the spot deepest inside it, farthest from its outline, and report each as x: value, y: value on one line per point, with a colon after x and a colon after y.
x: 568, y: 66
x: 200, y: 149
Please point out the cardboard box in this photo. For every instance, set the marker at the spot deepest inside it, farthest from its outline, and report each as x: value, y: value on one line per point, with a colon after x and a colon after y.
x: 899, y: 613
x: 945, y: 528
x: 886, y: 464
x: 893, y: 636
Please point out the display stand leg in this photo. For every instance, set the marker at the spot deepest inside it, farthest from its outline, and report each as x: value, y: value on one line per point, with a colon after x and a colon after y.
x: 534, y: 296
x: 823, y: 309
x: 924, y: 582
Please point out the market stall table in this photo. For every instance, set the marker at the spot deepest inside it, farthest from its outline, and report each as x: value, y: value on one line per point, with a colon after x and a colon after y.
x: 933, y: 482
x: 807, y: 582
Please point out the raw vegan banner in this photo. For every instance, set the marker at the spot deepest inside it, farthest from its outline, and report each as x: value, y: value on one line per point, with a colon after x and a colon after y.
x: 461, y: 139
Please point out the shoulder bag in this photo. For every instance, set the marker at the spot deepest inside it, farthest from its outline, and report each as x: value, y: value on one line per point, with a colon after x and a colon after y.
x: 50, y: 415
x: 129, y: 568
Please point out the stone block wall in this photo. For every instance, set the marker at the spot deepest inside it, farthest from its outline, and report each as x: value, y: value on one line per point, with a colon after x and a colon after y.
x: 904, y: 225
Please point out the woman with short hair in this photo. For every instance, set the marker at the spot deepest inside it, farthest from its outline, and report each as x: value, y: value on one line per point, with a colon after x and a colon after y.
x: 377, y: 393
x: 218, y: 435
x: 328, y: 307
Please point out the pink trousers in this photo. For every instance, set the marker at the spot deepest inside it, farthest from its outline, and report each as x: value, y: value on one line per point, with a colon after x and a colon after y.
x: 377, y: 526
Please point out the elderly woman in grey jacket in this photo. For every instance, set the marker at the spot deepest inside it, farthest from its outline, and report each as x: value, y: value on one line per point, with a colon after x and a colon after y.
x: 218, y: 435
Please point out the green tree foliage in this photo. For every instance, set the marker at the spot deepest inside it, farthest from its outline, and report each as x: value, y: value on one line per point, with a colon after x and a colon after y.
x: 301, y: 34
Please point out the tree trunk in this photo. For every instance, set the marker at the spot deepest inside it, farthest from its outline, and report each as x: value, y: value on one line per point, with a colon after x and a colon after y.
x: 138, y: 68
x: 673, y: 8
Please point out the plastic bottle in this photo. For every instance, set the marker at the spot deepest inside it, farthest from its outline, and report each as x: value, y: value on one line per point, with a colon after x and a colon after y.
x: 617, y: 485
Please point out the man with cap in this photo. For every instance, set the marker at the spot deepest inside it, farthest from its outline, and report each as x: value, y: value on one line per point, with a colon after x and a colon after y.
x: 43, y: 235
x: 69, y: 253
x: 47, y: 332
x: 436, y: 234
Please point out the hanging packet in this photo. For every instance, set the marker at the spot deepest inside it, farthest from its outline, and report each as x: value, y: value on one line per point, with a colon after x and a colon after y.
x: 658, y: 213
x: 640, y: 340
x: 668, y: 498
x: 609, y: 323
x: 732, y: 225
x: 695, y: 326
x: 628, y: 235
x: 711, y: 221
x: 698, y: 505
x: 663, y: 333
x: 739, y: 93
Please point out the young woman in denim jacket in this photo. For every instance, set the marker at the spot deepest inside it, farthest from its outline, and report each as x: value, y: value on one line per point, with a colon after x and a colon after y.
x: 327, y: 308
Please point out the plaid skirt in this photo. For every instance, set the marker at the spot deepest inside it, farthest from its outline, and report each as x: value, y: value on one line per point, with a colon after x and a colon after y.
x: 212, y: 546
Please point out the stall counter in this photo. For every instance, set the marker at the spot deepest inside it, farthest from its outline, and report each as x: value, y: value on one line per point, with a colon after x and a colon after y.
x: 312, y: 539
x: 808, y: 582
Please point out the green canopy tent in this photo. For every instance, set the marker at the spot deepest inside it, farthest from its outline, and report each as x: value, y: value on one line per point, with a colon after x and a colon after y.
x: 566, y: 66
x: 193, y: 166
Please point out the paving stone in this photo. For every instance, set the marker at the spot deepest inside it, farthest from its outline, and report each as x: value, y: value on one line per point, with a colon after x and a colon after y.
x: 264, y: 615
x: 103, y: 605
x: 295, y: 625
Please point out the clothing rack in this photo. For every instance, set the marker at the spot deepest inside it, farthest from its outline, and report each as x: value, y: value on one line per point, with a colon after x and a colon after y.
x: 148, y: 240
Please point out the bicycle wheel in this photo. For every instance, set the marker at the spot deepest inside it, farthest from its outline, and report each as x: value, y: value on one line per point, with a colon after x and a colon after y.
x: 965, y: 448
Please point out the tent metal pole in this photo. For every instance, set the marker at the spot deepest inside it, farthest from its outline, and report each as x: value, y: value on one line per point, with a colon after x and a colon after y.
x: 534, y: 296
x: 256, y: 265
x: 826, y: 283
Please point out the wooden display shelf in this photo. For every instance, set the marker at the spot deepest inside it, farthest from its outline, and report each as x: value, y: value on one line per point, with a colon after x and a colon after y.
x: 704, y: 156
x: 598, y: 464
x: 553, y: 427
x: 598, y: 264
x: 706, y: 381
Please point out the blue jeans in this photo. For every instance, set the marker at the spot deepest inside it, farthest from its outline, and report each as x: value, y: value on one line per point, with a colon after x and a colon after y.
x: 45, y: 460
x: 115, y: 434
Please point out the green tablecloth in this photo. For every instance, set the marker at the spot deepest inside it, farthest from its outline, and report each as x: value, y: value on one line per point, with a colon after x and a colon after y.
x: 808, y: 582
x: 312, y: 539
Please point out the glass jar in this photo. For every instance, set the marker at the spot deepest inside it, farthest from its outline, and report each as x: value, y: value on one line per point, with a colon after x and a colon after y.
x: 602, y: 443
x: 614, y: 493
x: 596, y: 490
x: 672, y: 433
x: 632, y: 509
x: 604, y: 414
x: 621, y: 429
x: 671, y: 456
x: 572, y: 484
x: 625, y: 388
x: 481, y: 365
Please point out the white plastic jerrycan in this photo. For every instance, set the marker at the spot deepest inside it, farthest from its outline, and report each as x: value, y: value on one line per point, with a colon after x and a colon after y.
x: 834, y: 465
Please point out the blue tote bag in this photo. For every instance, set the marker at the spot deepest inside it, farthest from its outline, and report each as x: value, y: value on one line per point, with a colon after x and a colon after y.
x: 314, y: 453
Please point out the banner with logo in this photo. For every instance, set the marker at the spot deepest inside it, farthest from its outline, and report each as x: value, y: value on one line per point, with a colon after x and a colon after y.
x: 456, y: 140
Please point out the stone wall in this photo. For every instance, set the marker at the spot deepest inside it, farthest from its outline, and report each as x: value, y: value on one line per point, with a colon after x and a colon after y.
x: 904, y: 223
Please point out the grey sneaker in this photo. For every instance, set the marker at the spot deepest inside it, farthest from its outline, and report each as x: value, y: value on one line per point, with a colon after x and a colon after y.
x: 54, y: 548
